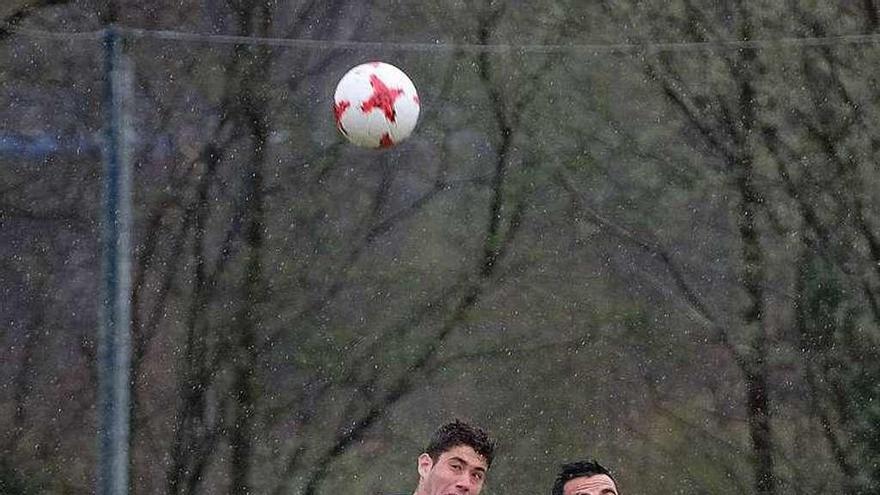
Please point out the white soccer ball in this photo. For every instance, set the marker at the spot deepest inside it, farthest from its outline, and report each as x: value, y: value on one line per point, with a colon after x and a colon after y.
x: 376, y: 105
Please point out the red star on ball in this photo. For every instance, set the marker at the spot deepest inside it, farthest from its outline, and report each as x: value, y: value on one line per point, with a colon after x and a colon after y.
x: 339, y: 108
x: 382, y: 98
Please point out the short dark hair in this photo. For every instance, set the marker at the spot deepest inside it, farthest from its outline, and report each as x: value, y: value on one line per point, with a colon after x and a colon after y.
x: 580, y: 469
x: 458, y: 433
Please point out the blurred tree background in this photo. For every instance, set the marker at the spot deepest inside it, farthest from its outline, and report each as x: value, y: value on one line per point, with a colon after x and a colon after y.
x: 647, y: 232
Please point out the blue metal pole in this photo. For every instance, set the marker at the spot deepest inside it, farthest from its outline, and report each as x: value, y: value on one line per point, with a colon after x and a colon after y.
x: 114, y: 332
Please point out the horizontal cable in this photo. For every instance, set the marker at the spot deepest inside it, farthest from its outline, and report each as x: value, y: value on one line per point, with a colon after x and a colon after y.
x: 136, y: 33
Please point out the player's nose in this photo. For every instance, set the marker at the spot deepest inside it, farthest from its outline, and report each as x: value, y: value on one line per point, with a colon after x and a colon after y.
x: 465, y: 484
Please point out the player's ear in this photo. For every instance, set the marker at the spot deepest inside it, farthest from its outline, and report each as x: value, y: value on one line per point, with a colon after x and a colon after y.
x: 425, y: 465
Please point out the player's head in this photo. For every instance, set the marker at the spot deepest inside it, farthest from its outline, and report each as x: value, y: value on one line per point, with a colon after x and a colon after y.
x: 460, y: 433
x: 455, y: 461
x: 584, y: 478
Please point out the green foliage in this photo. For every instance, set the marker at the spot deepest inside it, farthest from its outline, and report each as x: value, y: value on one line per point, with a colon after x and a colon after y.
x: 839, y: 346
x: 13, y: 481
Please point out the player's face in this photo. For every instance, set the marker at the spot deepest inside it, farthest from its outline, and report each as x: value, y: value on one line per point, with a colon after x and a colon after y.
x: 599, y: 484
x: 458, y: 471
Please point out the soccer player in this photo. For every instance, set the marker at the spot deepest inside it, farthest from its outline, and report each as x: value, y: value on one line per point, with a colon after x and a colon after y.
x: 584, y: 478
x: 455, y: 461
